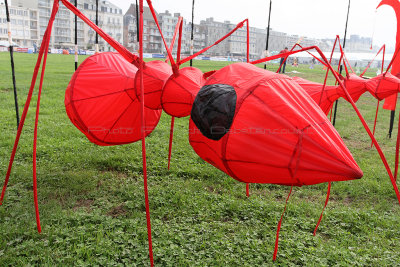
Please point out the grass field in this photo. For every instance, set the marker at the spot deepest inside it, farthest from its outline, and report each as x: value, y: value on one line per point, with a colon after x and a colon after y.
x: 92, y: 202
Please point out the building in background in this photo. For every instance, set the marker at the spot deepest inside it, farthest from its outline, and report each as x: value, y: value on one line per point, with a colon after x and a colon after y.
x: 29, y: 20
x: 353, y: 44
x: 63, y: 32
x: 168, y: 23
x: 214, y: 30
x: 357, y: 43
x: 279, y: 40
x: 199, y: 36
x: 236, y: 45
x: 151, y: 37
x: 110, y: 20
x: 24, y: 25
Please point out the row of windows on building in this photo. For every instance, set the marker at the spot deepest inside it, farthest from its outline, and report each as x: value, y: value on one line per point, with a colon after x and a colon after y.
x: 110, y: 20
x: 151, y: 31
x: 151, y: 46
x: 18, y: 12
x: 103, y: 8
x: 169, y: 27
x: 242, y: 45
x: 14, y: 33
x: 173, y: 20
x: 62, y: 39
x: 15, y: 21
x: 152, y: 39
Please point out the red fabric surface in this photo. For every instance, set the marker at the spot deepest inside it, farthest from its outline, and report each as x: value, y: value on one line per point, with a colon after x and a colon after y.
x: 101, y: 102
x: 355, y: 85
x: 180, y: 91
x: 279, y: 135
x: 155, y: 74
x: 381, y: 87
x: 324, y: 97
x: 390, y: 102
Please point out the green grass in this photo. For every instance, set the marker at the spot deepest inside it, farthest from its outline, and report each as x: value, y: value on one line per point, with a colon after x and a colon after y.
x: 92, y: 202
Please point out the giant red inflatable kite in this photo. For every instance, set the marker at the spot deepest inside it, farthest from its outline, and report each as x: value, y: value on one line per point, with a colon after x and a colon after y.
x: 255, y: 125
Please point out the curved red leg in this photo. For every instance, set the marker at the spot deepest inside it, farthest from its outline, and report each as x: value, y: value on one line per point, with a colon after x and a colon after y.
x: 171, y: 137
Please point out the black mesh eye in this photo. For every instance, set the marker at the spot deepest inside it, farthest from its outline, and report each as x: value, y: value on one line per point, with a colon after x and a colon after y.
x: 213, y: 110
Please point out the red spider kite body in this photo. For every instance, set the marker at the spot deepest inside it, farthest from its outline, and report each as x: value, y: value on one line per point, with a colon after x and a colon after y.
x: 272, y: 132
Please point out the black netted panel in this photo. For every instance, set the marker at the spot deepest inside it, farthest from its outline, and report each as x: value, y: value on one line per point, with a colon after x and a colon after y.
x: 213, y: 110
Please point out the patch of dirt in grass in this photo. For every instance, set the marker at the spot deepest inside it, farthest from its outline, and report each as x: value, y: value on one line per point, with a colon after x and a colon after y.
x: 211, y: 189
x: 83, y: 203
x: 115, y: 173
x: 165, y: 218
x: 356, y: 143
x: 227, y: 219
x: 323, y: 235
x: 312, y: 198
x: 348, y: 200
x: 5, y: 90
x: 99, y: 184
x: 117, y: 211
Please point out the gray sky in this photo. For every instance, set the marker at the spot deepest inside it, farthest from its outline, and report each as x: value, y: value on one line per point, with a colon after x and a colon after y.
x: 312, y: 18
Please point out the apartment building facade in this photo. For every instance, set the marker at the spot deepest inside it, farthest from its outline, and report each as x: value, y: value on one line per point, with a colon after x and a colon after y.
x: 29, y: 20
x: 168, y: 24
x: 199, y: 36
x: 214, y: 30
x: 24, y: 25
x: 152, y: 42
x: 237, y: 42
x: 110, y: 20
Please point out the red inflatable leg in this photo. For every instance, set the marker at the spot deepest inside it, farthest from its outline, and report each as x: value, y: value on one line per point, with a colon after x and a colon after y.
x: 326, y: 203
x: 46, y: 42
x: 171, y: 137
x: 376, y: 117
x: 43, y: 50
x: 396, y: 162
x: 146, y: 192
x: 279, y: 226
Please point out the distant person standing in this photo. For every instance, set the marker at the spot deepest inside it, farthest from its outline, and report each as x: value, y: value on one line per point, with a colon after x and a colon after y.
x: 295, y: 62
x: 283, y: 61
x: 312, y: 63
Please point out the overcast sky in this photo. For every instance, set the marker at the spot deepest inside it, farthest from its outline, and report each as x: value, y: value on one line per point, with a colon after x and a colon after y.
x: 312, y: 18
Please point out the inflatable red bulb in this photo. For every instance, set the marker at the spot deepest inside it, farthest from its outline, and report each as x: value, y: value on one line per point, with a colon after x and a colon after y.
x: 155, y: 74
x: 101, y: 100
x: 180, y: 91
